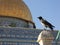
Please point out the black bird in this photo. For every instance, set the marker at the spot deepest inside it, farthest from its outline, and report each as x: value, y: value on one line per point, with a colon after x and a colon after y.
x: 46, y: 23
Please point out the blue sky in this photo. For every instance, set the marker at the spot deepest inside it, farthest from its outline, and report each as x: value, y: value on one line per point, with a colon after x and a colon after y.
x: 48, y: 9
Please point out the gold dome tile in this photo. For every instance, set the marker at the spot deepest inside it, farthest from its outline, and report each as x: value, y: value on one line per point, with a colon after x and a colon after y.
x: 15, y: 8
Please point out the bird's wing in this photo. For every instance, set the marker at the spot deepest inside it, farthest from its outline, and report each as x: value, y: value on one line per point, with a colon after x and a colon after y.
x: 47, y: 23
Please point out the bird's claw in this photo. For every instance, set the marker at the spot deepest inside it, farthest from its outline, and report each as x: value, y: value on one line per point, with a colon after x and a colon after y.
x: 44, y: 29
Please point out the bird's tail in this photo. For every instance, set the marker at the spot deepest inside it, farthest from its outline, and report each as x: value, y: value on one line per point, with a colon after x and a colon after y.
x: 51, y: 28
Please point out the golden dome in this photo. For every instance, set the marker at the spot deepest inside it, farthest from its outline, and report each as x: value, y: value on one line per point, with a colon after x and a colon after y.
x: 15, y: 8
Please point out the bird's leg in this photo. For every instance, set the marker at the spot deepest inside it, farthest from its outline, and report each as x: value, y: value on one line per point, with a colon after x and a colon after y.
x: 45, y: 28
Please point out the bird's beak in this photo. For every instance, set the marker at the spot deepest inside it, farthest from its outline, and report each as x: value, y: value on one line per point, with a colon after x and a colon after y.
x: 37, y: 17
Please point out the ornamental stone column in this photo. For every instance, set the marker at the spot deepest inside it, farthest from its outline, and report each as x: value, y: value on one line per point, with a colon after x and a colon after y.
x: 45, y: 38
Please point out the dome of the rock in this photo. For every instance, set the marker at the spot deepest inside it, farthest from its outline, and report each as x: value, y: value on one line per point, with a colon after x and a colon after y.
x: 15, y: 9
